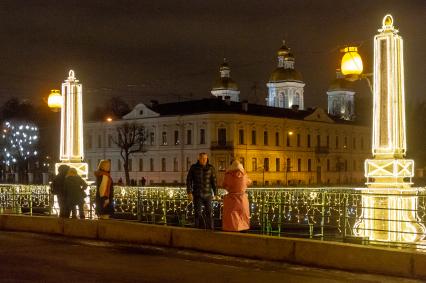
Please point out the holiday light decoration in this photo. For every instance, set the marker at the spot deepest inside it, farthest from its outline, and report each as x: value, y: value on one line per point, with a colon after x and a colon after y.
x: 71, y: 142
x: 306, y: 212
x: 389, y: 204
x: 388, y: 168
x: 19, y: 142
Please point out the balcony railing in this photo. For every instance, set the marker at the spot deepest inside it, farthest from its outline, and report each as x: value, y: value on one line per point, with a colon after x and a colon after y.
x: 322, y: 150
x: 218, y: 145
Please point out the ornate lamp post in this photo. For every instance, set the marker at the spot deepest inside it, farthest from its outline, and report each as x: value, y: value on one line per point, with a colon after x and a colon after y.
x: 389, y: 203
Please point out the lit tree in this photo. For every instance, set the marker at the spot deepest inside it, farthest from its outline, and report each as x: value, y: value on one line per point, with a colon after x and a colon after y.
x: 19, y: 143
x: 131, y: 138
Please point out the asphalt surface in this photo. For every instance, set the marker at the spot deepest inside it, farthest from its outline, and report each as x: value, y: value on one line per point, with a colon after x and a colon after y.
x: 27, y: 257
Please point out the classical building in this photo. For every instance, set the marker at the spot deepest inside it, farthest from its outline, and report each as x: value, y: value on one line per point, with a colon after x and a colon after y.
x: 285, y: 86
x: 276, y: 145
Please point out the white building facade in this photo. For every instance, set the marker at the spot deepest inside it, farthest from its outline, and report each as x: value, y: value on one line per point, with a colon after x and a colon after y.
x: 277, y: 146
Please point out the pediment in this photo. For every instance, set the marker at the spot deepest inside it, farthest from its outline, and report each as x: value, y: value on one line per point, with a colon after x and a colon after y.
x: 319, y: 115
x: 140, y: 111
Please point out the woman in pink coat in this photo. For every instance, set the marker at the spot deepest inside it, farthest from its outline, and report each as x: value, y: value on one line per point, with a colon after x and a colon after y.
x: 236, y: 212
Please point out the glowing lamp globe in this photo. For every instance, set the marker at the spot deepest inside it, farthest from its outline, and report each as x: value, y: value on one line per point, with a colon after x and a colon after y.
x: 55, y: 100
x: 351, y: 62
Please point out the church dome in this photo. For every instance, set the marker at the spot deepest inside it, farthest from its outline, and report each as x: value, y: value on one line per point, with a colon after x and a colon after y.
x: 340, y: 83
x: 283, y: 51
x: 225, y: 83
x: 281, y: 74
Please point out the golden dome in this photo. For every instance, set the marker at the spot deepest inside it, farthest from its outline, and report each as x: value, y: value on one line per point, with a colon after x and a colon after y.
x: 225, y: 83
x: 281, y: 74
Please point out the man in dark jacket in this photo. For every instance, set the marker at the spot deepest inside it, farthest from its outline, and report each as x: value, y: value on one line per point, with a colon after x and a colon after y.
x: 201, y: 188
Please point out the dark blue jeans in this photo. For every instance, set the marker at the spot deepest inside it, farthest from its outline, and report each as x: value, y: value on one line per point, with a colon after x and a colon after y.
x: 205, y: 222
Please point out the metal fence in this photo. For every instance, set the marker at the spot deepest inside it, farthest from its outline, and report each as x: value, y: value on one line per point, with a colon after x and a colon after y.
x: 338, y: 214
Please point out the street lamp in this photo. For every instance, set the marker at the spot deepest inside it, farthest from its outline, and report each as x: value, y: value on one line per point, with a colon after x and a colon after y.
x: 107, y: 120
x: 54, y: 100
x: 351, y: 66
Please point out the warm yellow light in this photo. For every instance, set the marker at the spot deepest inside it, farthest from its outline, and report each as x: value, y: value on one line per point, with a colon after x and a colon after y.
x: 290, y: 133
x: 351, y: 62
x: 109, y: 119
x: 55, y: 100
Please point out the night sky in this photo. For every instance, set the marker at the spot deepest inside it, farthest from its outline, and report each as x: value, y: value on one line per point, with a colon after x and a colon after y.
x: 171, y: 50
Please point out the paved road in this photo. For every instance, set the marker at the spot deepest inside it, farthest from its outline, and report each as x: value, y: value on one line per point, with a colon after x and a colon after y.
x: 26, y: 257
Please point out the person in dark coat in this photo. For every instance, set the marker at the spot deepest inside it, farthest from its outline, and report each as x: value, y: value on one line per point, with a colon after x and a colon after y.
x: 201, y: 188
x: 104, y: 190
x: 57, y: 188
x: 75, y: 188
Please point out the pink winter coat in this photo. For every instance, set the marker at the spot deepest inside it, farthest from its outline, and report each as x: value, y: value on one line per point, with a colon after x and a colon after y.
x: 236, y: 212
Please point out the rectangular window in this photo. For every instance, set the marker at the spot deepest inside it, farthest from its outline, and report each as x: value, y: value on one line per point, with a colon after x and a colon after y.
x: 308, y: 140
x: 345, y: 145
x: 89, y: 142
x: 189, y: 137
x: 164, y: 138
x: 176, y: 138
x: 288, y: 164
x: 298, y: 140
x: 175, y: 165
x: 163, y: 164
x: 265, y: 138
x: 241, y: 136
x: 299, y: 165
x: 266, y: 164
x: 221, y: 165
x: 141, y: 165
x: 188, y: 163
x: 288, y: 139
x: 221, y: 136
x: 118, y: 165
x: 202, y: 136
x: 129, y: 164
x: 151, y: 164
x: 337, y: 142
x: 318, y: 140
x: 277, y: 165
x: 242, y: 161
x: 254, y: 164
x: 99, y: 141
x: 253, y: 137
x: 277, y: 139
x: 309, y: 165
x: 152, y: 138
x: 328, y: 141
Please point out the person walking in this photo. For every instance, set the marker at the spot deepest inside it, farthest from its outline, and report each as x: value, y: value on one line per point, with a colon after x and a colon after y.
x: 201, y: 188
x: 57, y: 188
x: 236, y: 211
x: 104, y: 190
x: 75, y: 188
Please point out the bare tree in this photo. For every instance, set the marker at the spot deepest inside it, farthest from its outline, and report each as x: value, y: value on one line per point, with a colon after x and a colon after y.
x: 131, y: 138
